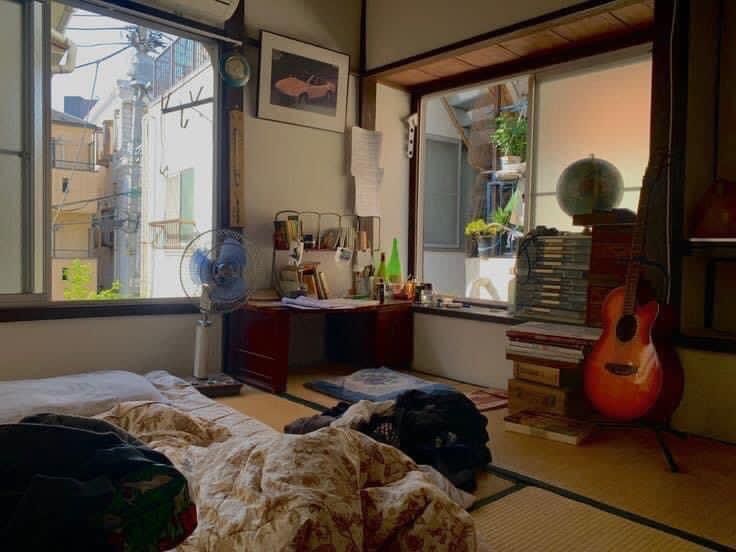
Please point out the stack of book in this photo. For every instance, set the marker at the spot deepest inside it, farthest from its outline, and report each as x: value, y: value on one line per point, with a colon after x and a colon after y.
x: 552, y: 278
x: 547, y: 389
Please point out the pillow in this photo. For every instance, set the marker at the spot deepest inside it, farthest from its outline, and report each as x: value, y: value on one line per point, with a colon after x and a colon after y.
x: 76, y: 395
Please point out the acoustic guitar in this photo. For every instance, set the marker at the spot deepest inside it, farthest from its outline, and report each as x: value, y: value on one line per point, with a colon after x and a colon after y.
x: 633, y: 370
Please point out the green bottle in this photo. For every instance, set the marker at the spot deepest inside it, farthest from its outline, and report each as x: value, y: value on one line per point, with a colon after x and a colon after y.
x: 394, y: 264
x: 381, y: 272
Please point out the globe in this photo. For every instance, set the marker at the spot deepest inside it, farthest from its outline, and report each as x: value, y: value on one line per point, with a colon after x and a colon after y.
x: 590, y: 184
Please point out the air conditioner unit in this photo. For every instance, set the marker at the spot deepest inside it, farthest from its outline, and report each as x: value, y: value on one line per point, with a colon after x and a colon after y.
x: 211, y: 12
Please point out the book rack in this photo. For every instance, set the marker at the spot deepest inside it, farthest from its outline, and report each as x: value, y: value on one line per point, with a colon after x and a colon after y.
x: 327, y: 231
x: 321, y: 224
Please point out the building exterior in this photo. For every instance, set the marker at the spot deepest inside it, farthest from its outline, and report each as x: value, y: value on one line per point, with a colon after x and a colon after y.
x: 161, y: 187
x: 177, y: 199
x: 77, y: 181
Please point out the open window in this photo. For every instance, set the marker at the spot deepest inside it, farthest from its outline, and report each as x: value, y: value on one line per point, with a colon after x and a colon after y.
x: 124, y: 200
x: 104, y: 106
x: 491, y: 155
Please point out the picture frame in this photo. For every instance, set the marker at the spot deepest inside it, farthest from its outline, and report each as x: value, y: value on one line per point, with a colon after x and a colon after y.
x: 302, y: 84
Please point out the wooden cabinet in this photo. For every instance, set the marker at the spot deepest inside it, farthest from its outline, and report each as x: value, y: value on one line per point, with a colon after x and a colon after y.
x: 394, y: 337
x: 260, y: 340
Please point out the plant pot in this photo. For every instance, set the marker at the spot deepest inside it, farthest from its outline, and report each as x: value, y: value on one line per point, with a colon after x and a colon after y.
x: 508, y: 160
x: 489, y: 246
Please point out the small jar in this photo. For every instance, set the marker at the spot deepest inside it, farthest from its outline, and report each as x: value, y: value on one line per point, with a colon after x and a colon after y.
x: 427, y: 294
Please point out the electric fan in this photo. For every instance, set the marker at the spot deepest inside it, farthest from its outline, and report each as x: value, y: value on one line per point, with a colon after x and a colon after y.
x: 217, y: 271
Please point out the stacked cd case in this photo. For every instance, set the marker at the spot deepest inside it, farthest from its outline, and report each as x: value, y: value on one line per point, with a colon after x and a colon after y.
x: 552, y: 278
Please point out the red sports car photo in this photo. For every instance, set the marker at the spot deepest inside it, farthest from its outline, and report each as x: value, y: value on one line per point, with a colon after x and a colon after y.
x: 309, y: 90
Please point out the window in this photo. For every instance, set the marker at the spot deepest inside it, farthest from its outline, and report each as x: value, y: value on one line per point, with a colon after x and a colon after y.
x: 442, y: 193
x: 602, y: 110
x: 85, y: 175
x: 490, y: 161
x: 21, y: 155
x: 125, y: 156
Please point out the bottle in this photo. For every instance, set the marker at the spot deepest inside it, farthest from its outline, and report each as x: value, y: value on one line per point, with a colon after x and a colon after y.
x: 381, y: 272
x: 394, y: 265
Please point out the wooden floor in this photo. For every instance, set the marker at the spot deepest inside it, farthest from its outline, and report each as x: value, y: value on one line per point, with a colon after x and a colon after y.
x: 620, y: 468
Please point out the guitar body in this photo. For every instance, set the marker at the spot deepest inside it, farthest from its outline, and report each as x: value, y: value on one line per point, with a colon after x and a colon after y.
x: 623, y: 373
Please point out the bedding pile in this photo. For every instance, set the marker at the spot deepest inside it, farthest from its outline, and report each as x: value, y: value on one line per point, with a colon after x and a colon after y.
x: 256, y: 489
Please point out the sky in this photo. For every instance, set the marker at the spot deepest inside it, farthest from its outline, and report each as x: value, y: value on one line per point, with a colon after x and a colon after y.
x: 92, y: 45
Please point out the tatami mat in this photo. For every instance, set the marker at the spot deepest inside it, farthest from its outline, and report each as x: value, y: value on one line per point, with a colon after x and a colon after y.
x: 621, y: 468
x: 534, y: 519
x: 267, y: 408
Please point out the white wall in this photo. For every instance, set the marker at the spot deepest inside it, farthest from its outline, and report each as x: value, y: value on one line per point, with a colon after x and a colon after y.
x: 392, y: 108
x: 293, y: 167
x: 400, y: 29
x: 138, y: 344
x: 333, y: 24
x: 466, y: 350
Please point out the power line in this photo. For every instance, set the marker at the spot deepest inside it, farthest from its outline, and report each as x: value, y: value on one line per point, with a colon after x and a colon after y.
x: 98, y: 61
x: 100, y: 28
x: 95, y: 45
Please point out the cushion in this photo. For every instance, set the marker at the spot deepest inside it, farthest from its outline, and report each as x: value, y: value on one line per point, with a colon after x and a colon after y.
x: 75, y: 395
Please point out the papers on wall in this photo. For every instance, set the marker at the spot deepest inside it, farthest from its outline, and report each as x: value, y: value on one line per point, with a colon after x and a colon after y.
x: 365, y: 167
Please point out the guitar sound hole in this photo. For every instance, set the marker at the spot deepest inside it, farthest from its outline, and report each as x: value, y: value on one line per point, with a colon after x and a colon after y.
x: 626, y: 328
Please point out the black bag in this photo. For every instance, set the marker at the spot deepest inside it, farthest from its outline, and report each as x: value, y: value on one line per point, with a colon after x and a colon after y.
x: 442, y: 429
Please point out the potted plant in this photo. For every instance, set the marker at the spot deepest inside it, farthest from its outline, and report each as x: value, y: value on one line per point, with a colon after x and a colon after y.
x: 510, y: 137
x: 486, y: 236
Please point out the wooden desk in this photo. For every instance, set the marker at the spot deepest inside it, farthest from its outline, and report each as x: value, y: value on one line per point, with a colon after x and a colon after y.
x: 372, y: 336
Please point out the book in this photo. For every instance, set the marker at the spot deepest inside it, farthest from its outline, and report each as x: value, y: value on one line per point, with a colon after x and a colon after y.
x: 536, y: 349
x: 554, y: 428
x: 553, y: 363
x: 563, y: 401
x: 547, y: 375
x: 558, y: 333
x: 612, y: 217
x: 323, y: 288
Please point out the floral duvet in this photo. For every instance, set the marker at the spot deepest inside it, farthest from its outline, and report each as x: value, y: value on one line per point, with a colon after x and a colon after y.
x: 257, y: 489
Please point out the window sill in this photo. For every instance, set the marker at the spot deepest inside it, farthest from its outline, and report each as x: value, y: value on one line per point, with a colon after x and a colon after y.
x: 64, y: 311
x: 480, y: 314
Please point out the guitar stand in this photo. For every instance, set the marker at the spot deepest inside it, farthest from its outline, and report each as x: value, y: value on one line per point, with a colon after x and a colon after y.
x: 659, y: 431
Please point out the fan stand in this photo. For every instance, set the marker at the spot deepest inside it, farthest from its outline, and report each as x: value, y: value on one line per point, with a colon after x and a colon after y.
x: 201, y: 343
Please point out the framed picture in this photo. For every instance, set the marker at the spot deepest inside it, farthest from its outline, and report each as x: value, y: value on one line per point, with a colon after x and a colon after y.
x: 302, y: 84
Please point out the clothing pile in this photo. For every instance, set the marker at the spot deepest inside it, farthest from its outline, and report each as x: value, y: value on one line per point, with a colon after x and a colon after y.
x: 80, y: 484
x: 442, y: 429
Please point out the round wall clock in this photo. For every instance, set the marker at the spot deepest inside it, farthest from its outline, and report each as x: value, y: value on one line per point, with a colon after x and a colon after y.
x: 235, y: 70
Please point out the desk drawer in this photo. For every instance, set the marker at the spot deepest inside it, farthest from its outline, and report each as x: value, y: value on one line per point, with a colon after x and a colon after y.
x: 263, y: 332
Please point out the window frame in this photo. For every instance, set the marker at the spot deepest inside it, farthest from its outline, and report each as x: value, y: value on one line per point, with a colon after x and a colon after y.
x: 419, y: 99
x: 458, y: 246
x: 39, y: 306
x: 583, y: 66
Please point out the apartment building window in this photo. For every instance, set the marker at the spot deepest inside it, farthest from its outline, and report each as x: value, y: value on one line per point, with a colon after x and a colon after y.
x: 108, y: 76
x: 548, y: 120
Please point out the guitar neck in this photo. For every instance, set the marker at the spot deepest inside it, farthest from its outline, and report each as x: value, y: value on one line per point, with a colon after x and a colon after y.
x: 633, y: 271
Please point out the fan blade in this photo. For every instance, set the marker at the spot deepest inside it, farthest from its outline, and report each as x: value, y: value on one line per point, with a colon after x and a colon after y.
x: 232, y: 255
x: 231, y: 290
x: 200, y: 267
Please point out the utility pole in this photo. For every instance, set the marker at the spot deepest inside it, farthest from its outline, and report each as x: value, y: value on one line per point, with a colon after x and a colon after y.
x: 126, y: 164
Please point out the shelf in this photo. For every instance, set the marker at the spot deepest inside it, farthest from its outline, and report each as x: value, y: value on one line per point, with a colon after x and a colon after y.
x: 706, y: 340
x: 714, y: 248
